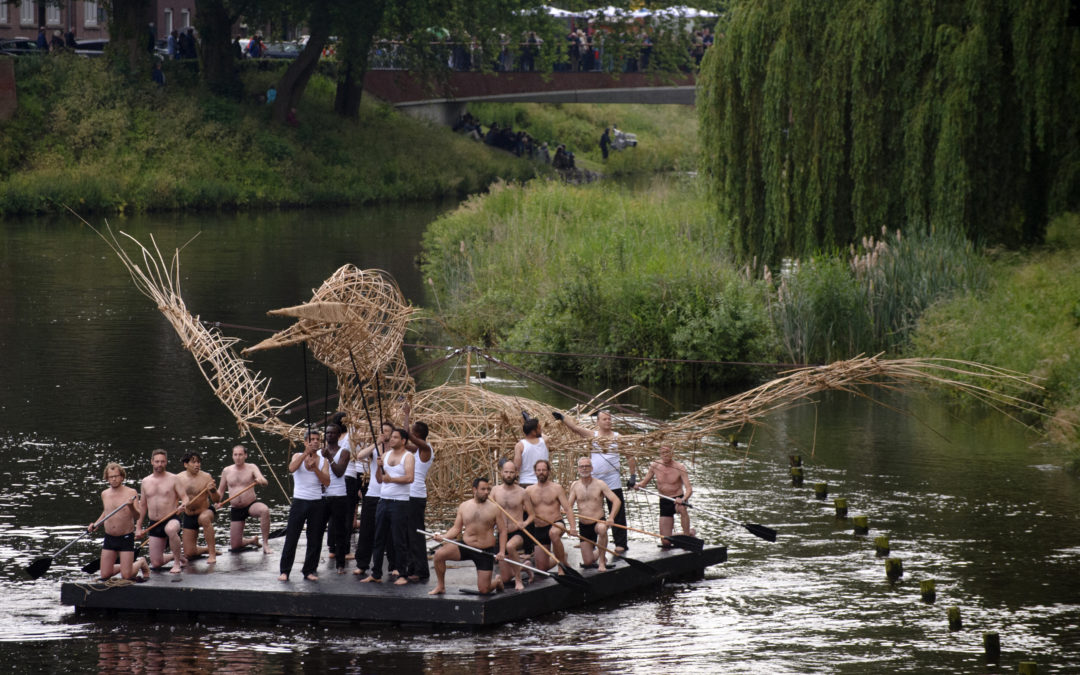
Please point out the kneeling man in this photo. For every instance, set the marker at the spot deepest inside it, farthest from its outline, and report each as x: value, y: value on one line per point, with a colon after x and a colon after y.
x: 476, y: 522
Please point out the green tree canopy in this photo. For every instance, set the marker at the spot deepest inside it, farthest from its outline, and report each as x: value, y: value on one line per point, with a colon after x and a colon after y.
x: 822, y: 122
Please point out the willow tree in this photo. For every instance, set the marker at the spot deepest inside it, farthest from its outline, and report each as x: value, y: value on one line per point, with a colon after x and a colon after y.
x: 822, y: 122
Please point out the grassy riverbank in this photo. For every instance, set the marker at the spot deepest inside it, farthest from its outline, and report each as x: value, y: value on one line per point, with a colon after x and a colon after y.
x: 667, y: 134
x: 84, y: 138
x: 1027, y: 319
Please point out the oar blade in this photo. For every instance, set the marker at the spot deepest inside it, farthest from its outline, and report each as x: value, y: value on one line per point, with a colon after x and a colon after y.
x: 571, y: 572
x: 39, y: 567
x: 277, y: 534
x: 687, y: 543
x: 92, y: 567
x: 577, y: 583
x: 760, y: 531
x: 640, y: 566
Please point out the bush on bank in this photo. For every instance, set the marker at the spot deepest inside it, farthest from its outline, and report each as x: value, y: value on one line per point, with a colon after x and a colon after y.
x: 1027, y: 319
x: 85, y: 138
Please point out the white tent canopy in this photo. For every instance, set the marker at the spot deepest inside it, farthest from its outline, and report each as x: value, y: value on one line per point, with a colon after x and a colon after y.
x: 610, y: 11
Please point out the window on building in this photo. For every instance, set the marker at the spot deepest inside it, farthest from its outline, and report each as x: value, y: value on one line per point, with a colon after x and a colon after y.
x: 168, y: 22
x: 28, y: 13
x: 90, y: 13
x: 52, y: 15
x: 185, y: 18
x: 3, y: 12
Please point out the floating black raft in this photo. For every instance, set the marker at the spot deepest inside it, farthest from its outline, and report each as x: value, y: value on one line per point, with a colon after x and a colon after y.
x: 244, y: 586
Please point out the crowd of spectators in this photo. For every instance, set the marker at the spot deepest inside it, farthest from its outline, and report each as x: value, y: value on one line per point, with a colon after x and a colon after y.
x: 518, y: 142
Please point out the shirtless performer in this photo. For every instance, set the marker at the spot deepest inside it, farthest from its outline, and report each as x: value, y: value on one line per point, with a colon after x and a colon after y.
x: 589, y: 494
x: 528, y: 451
x: 672, y: 480
x: 119, y: 531
x: 236, y: 478
x: 511, y: 497
x: 161, y: 496
x: 547, y: 503
x: 198, y: 508
x: 475, y: 523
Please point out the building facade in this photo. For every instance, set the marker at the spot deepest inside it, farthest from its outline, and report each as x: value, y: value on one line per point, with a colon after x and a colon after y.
x: 87, y: 18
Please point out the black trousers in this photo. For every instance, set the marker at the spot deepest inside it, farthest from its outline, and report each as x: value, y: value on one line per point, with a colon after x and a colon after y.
x: 418, y: 562
x: 310, y: 512
x: 352, y: 491
x: 391, y: 533
x: 619, y: 535
x: 337, y: 512
x: 365, y: 538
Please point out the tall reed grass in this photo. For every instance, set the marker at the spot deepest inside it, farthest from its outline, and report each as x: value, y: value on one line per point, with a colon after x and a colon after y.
x: 870, y: 299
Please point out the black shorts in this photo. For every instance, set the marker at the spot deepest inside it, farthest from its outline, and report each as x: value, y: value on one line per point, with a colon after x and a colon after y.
x: 527, y: 545
x: 542, y: 533
x: 485, y: 562
x: 667, y: 507
x: 191, y: 522
x: 159, y: 531
x: 587, y: 530
x: 239, y: 513
x: 120, y: 544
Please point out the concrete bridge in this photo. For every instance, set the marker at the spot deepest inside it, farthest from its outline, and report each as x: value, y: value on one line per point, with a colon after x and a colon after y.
x: 443, y: 98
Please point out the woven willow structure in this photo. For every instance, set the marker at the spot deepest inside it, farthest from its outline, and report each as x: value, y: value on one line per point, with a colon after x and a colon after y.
x: 355, y: 324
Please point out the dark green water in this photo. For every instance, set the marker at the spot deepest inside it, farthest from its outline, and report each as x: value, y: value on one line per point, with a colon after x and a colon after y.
x: 93, y: 373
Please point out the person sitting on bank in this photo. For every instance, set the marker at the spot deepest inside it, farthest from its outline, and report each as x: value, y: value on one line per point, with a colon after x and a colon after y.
x: 476, y: 522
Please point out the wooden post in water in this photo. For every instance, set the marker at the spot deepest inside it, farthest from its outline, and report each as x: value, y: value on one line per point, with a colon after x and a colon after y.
x: 894, y: 569
x: 862, y: 524
x: 955, y: 623
x: 881, y: 546
x: 841, y: 508
x: 928, y: 589
x: 796, y: 460
x: 821, y: 490
x: 1028, y: 668
x: 992, y: 647
x: 797, y: 476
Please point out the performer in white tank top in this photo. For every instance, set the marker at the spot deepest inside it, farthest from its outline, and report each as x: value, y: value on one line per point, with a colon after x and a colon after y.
x: 529, y: 451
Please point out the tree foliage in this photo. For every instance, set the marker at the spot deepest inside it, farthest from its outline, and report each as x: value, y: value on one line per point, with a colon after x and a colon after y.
x: 823, y: 122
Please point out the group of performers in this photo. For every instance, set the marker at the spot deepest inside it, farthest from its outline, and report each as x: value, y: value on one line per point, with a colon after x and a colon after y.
x: 521, y: 520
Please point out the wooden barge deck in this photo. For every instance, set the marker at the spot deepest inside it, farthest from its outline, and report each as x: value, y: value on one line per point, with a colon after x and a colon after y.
x: 244, y: 586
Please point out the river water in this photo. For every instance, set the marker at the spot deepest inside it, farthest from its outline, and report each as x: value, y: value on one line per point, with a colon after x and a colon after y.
x: 93, y: 373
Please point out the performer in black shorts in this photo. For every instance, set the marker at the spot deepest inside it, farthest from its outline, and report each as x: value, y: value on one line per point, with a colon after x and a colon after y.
x: 476, y: 523
x: 587, y: 530
x: 527, y: 545
x: 239, y: 513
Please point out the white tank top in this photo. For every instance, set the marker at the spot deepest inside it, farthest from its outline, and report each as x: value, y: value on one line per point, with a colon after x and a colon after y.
x: 395, y: 491
x: 530, y: 455
x: 306, y: 484
x: 420, y: 469
x: 374, y: 488
x: 351, y: 467
x: 336, y: 488
x: 605, y: 460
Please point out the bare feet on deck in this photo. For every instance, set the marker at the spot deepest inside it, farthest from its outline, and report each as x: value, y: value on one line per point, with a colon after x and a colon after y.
x: 370, y: 580
x: 283, y: 577
x: 358, y: 572
x: 211, y: 559
x: 341, y: 570
x: 267, y: 550
x: 401, y: 581
x: 176, y: 569
x: 311, y: 577
x: 143, y: 567
x: 438, y: 590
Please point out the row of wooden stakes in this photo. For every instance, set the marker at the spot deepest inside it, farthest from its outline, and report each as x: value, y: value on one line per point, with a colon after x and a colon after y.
x: 894, y: 567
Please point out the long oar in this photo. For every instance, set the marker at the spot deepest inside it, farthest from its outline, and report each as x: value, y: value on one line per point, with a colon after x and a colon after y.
x: 766, y: 533
x: 565, y: 568
x: 637, y: 564
x: 94, y: 565
x: 569, y: 582
x: 683, y: 541
x: 40, y: 566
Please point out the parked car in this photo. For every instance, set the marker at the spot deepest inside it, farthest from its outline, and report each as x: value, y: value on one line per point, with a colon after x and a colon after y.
x: 20, y: 47
x: 91, y: 48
